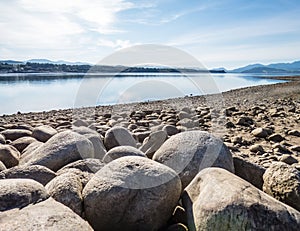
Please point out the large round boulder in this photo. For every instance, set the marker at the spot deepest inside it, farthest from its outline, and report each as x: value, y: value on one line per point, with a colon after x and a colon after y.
x: 131, y: 193
x: 282, y: 182
x: 46, y: 215
x: 190, y: 152
x: 218, y: 200
x: 118, y: 136
x: 61, y: 149
x: 17, y: 193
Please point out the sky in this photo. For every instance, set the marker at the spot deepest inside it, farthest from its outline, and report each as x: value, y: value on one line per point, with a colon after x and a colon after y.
x: 218, y: 33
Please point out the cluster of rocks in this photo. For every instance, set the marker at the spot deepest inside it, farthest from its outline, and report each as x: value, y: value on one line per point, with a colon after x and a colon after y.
x: 154, y: 169
x: 157, y: 165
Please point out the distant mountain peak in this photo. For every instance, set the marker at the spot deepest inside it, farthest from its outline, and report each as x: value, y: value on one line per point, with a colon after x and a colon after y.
x: 293, y: 67
x: 43, y: 61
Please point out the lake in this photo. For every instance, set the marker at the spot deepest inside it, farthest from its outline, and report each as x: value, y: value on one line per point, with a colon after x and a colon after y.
x: 43, y: 92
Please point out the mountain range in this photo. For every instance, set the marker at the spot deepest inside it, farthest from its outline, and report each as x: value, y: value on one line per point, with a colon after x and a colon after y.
x: 43, y: 61
x: 293, y: 67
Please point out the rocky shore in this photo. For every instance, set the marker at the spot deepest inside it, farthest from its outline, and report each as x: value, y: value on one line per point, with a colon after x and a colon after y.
x: 227, y: 161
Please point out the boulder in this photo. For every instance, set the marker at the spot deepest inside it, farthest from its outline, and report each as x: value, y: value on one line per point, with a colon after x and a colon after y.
x: 288, y: 159
x: 21, y: 143
x: 170, y: 130
x: 82, y: 130
x: 17, y: 193
x: 38, y: 173
x: 29, y: 150
x: 282, y: 181
x: 47, y: 215
x: 84, y: 176
x: 277, y: 138
x: 190, y: 152
x: 294, y: 133
x: 218, y: 200
x: 62, y: 149
x: 248, y: 171
x: 260, y: 133
x: 131, y: 193
x: 9, y: 155
x: 156, y: 139
x: 13, y: 134
x: 99, y: 149
x: 256, y: 148
x: 86, y: 165
x: 43, y: 133
x: 118, y: 136
x: 121, y: 151
x: 66, y: 189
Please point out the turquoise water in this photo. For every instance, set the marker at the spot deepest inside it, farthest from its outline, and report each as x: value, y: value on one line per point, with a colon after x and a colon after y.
x: 41, y: 92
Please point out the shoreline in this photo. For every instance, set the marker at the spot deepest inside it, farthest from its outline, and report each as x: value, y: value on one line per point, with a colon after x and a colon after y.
x: 274, y: 106
x: 268, y: 90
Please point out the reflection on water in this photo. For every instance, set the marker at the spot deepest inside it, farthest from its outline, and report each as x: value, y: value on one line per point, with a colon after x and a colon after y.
x: 36, y: 92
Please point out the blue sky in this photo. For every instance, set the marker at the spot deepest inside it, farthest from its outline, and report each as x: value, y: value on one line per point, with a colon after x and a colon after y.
x: 219, y: 33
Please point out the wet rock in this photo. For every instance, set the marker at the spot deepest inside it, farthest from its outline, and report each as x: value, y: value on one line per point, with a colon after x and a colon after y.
x: 122, y: 151
x: 46, y: 215
x: 118, y: 136
x: 17, y: 193
x: 66, y: 189
x: 218, y: 200
x: 282, y: 181
x: 190, y: 152
x: 139, y: 193
x: 38, y: 173
x: 43, y: 133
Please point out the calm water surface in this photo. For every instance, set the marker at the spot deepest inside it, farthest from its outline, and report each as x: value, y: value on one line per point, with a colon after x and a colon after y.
x: 41, y: 92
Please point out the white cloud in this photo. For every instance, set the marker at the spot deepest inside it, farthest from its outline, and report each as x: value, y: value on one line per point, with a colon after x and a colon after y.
x: 57, y: 24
